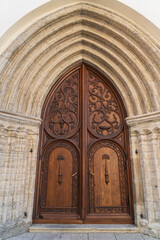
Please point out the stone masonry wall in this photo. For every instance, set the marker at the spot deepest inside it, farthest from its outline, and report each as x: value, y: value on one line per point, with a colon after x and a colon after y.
x: 18, y: 158
x: 145, y: 158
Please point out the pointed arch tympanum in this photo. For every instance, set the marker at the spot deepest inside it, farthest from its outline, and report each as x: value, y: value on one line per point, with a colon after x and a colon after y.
x: 83, y: 171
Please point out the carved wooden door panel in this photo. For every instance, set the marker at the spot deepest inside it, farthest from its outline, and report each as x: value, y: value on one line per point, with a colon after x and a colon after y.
x: 108, y: 192
x: 83, y: 173
x: 59, y: 152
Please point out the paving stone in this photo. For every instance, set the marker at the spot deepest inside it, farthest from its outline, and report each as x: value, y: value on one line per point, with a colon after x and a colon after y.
x: 25, y: 236
x: 128, y: 236
x: 146, y: 237
x: 47, y: 236
x: 82, y: 236
x: 74, y: 236
x: 102, y: 236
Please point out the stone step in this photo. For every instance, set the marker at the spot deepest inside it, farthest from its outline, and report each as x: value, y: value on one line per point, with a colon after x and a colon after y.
x: 114, y: 228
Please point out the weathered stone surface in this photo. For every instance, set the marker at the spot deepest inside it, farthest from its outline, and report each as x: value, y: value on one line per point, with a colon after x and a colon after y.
x: 83, y: 228
x: 80, y: 236
x: 126, y: 236
x: 25, y: 236
x: 102, y: 236
x: 49, y: 236
x: 73, y: 236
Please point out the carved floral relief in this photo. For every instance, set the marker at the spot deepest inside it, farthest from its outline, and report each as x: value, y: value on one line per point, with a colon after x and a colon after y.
x: 104, y: 112
x: 63, y: 117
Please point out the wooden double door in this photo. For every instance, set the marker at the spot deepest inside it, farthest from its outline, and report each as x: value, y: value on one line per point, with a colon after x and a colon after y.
x: 83, y: 171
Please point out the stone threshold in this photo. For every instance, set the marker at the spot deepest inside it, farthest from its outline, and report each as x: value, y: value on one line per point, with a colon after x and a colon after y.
x: 114, y: 228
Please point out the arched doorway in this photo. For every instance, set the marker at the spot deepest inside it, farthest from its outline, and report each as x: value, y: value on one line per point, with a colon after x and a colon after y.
x: 84, y: 169
x: 43, y: 46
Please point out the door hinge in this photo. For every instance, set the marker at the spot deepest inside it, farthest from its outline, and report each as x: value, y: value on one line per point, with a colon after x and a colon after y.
x: 40, y: 157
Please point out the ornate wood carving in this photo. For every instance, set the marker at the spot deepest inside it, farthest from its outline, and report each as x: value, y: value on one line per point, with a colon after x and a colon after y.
x: 104, y: 113
x: 62, y: 118
x: 123, y: 185
x: 44, y: 175
x: 105, y: 158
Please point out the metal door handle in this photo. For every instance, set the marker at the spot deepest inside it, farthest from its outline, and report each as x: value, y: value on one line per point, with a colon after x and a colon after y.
x: 91, y: 173
x: 74, y: 174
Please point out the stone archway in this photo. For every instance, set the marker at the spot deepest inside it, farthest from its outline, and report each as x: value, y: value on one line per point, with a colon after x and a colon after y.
x: 125, y: 53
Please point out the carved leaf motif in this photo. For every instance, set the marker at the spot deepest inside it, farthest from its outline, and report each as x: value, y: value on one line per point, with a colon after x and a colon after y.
x: 62, y: 116
x: 104, y: 112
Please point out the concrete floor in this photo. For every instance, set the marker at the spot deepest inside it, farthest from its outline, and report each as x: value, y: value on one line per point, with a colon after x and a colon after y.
x: 82, y: 236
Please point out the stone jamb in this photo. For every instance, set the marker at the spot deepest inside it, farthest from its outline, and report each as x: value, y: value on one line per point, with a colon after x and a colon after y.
x: 145, y: 149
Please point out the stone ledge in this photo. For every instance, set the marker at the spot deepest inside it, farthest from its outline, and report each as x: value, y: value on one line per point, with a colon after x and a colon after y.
x: 144, y: 118
x: 127, y: 228
x: 20, y: 118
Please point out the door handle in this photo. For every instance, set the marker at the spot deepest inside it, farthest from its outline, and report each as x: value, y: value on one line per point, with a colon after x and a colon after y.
x: 106, y: 157
x: 91, y: 173
x: 60, y: 175
x: 74, y: 174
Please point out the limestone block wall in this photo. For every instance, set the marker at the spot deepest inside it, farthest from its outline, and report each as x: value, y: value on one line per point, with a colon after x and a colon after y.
x: 145, y: 159
x: 18, y: 158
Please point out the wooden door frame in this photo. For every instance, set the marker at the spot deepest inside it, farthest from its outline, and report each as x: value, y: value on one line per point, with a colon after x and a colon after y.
x: 83, y: 167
